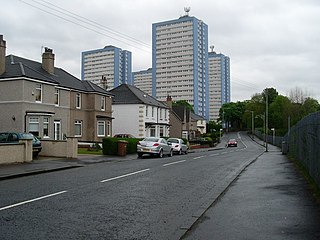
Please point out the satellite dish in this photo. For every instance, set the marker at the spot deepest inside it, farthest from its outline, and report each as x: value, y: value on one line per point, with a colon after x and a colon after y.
x: 187, y: 10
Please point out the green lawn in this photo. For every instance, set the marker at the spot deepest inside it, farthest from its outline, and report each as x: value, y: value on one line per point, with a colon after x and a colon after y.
x: 89, y: 151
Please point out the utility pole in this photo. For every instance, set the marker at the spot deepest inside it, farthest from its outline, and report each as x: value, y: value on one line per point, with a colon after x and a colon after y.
x: 266, y: 130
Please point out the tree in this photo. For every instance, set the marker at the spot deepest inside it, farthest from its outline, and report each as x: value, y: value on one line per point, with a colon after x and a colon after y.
x: 297, y: 95
x: 279, y: 111
x: 183, y: 103
x: 231, y: 113
x: 272, y: 94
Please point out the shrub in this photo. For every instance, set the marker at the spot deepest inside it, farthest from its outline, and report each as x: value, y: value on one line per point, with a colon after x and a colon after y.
x: 110, y: 146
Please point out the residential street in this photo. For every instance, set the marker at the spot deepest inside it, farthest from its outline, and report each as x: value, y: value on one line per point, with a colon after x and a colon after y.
x: 147, y: 198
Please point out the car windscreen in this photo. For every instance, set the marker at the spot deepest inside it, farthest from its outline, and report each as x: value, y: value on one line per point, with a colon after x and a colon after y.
x: 3, y: 137
x: 151, y: 140
x: 173, y: 140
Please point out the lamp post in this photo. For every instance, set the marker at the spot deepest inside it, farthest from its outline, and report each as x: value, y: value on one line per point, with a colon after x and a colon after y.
x: 263, y: 117
x: 252, y: 122
x: 273, y: 135
x: 220, y: 133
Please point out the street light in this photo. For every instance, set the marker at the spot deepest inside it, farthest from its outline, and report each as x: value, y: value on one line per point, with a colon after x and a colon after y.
x: 220, y: 133
x: 252, y: 122
x: 273, y: 135
x: 263, y: 117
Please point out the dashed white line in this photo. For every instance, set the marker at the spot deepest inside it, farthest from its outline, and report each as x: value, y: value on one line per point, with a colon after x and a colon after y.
x: 224, y: 152
x: 168, y: 164
x: 216, y: 154
x: 125, y: 175
x: 32, y: 200
x: 198, y: 157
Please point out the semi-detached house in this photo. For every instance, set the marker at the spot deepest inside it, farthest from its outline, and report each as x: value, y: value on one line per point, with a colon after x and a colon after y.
x: 49, y: 102
x: 137, y: 113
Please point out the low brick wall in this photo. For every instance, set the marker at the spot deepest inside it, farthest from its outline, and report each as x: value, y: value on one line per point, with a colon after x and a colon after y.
x: 16, y: 152
x: 66, y: 149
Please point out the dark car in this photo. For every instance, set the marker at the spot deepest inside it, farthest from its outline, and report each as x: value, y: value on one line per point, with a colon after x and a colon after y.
x: 13, y: 137
x: 123, y: 135
x: 232, y: 143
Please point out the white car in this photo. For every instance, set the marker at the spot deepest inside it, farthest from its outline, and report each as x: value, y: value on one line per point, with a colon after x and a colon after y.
x: 154, y: 146
x: 178, y: 145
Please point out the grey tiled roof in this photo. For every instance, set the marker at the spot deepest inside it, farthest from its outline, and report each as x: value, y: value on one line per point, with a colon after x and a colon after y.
x: 128, y: 94
x: 21, y: 67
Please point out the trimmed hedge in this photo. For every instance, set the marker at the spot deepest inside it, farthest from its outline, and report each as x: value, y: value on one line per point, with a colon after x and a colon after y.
x: 110, y: 145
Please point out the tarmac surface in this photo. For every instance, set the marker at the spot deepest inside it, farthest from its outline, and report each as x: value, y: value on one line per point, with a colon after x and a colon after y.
x: 268, y: 200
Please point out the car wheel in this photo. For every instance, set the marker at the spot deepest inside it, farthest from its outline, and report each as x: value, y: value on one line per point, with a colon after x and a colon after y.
x: 180, y: 152
x: 186, y: 152
x: 171, y: 153
x: 140, y: 155
x: 161, y: 153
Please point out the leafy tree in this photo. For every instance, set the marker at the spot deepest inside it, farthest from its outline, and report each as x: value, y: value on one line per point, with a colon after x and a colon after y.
x: 183, y: 103
x: 231, y: 113
x: 272, y: 94
x: 279, y: 112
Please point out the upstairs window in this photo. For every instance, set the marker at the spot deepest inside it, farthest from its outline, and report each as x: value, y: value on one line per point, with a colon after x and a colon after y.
x: 103, y: 103
x: 78, y: 100
x: 38, y: 93
x: 57, y: 97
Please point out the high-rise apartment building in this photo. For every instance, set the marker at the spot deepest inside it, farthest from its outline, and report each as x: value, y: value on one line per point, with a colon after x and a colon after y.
x: 108, y: 67
x: 219, y: 83
x: 143, y: 80
x: 180, y: 62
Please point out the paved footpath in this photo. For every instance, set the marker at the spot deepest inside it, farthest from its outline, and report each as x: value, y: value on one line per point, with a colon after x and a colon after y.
x: 269, y: 200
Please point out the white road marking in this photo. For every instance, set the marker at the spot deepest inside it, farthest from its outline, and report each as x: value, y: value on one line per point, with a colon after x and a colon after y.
x: 216, y: 154
x: 198, y: 157
x: 125, y: 175
x: 224, y: 152
x: 32, y: 200
x: 168, y: 164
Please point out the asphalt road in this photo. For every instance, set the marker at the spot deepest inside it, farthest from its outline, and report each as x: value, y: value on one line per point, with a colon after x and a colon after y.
x: 147, y: 198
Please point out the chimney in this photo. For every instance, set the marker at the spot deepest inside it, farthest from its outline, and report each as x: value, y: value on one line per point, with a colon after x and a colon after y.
x: 169, y: 101
x: 2, y: 55
x: 48, y: 60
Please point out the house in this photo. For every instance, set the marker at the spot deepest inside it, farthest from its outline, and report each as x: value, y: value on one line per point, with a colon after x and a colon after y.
x: 184, y: 123
x: 137, y: 113
x: 49, y: 102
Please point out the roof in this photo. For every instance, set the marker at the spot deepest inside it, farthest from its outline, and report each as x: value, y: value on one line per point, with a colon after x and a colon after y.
x: 196, y: 117
x: 128, y: 94
x: 21, y: 67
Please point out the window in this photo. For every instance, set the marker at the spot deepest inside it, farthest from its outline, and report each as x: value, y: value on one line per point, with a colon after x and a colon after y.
x: 108, y: 129
x: 57, y: 129
x: 152, y: 112
x: 45, y: 127
x: 38, y: 93
x: 147, y: 111
x: 34, y: 126
x: 103, y: 103
x: 152, y: 132
x: 78, y: 100
x: 101, y: 128
x: 57, y: 97
x: 78, y: 128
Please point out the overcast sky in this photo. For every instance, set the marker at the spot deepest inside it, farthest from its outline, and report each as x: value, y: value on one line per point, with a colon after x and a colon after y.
x: 271, y: 43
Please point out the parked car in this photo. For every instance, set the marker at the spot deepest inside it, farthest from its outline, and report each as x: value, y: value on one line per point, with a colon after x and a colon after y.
x: 154, y: 146
x: 232, y: 143
x: 123, y: 135
x: 178, y: 145
x: 13, y: 137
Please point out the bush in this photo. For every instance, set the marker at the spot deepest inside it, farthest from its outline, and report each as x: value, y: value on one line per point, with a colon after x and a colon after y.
x: 110, y: 145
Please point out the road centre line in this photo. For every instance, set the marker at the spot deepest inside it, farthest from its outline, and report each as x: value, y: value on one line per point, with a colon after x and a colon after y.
x: 32, y: 200
x: 125, y: 175
x: 216, y: 154
x: 198, y: 157
x: 168, y: 164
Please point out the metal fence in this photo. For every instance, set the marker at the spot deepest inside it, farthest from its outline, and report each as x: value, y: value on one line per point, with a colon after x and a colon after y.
x: 304, y: 144
x: 274, y: 140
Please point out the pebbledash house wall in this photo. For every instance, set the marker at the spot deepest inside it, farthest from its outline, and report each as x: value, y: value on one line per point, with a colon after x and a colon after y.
x: 18, y: 104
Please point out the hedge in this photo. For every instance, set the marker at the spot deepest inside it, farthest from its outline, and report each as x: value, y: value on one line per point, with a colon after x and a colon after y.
x: 110, y: 145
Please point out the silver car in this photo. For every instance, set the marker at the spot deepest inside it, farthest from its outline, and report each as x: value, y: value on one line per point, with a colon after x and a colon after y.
x: 178, y: 145
x: 154, y: 146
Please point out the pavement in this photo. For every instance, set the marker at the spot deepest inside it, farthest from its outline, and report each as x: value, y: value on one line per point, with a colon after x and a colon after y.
x: 269, y: 199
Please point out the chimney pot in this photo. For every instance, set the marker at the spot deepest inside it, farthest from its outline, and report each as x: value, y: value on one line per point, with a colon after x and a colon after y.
x: 2, y: 55
x: 48, y: 60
